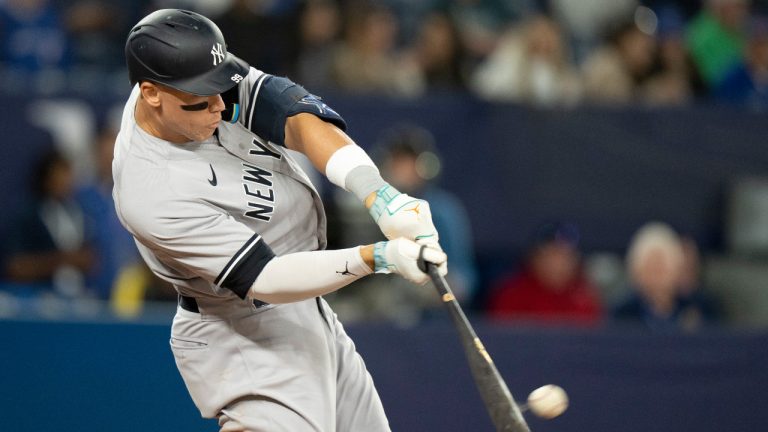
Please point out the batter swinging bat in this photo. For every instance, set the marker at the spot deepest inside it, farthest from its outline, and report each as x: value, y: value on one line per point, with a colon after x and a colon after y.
x: 501, y: 406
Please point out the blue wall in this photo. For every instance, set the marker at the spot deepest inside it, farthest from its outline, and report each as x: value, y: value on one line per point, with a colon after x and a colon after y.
x: 609, y: 170
x: 121, y: 377
x: 91, y: 377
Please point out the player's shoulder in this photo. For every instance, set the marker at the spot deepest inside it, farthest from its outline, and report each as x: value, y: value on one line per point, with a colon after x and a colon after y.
x: 141, y: 191
x: 149, y: 193
x: 253, y: 79
x: 255, y: 74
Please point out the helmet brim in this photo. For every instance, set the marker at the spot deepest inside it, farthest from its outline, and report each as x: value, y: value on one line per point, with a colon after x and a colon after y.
x: 215, y: 81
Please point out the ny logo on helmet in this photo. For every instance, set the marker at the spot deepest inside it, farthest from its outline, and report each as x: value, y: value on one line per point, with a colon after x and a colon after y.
x: 218, y: 54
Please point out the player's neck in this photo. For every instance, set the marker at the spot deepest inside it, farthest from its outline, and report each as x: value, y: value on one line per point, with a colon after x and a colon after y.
x: 148, y: 120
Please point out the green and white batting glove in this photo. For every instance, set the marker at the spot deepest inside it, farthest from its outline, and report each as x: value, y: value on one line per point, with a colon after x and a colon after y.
x: 400, y: 256
x: 400, y: 215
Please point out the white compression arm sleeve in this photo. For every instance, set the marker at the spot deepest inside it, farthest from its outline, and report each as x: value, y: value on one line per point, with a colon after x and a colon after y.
x: 302, y: 275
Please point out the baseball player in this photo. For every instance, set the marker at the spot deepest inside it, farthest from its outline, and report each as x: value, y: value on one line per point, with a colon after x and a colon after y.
x: 218, y: 207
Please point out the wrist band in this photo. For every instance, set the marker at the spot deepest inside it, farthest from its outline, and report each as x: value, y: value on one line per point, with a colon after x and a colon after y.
x: 384, y: 196
x: 380, y: 261
x: 363, y: 180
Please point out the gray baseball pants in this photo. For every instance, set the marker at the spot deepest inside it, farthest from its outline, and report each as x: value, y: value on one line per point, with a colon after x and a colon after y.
x: 288, y: 367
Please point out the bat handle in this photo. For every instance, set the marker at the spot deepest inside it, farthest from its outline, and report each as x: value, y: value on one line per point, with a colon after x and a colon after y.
x: 421, y: 262
x: 426, y: 266
x: 431, y: 269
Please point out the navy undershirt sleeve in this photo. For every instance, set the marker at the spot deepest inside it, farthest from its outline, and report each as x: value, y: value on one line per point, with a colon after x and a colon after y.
x: 245, y: 266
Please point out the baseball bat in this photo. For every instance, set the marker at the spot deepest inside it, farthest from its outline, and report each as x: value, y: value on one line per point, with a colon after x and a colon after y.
x: 502, y: 408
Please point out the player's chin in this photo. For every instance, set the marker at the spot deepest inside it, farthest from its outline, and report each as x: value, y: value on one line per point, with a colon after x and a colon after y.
x: 203, y: 134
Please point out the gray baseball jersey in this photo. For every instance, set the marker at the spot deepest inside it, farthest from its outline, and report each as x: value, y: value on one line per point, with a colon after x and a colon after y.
x: 207, y: 217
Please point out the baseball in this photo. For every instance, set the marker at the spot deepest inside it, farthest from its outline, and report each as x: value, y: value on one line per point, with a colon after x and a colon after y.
x: 548, y: 401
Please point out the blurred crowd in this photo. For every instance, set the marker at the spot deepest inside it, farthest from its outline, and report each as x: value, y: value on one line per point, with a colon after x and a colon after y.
x: 68, y: 244
x: 537, y: 52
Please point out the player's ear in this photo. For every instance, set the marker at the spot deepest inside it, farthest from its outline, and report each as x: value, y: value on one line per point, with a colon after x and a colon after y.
x: 150, y: 93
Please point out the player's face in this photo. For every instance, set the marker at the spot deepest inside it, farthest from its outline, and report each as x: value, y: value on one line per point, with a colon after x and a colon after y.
x: 189, y: 117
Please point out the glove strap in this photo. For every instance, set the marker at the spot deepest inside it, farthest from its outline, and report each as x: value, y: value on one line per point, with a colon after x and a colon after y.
x: 379, y: 259
x: 384, y: 196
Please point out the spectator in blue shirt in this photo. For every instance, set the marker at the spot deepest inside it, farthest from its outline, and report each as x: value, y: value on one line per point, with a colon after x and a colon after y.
x: 409, y: 162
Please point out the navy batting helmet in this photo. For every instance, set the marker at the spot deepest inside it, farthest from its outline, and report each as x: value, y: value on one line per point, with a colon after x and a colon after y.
x: 182, y: 50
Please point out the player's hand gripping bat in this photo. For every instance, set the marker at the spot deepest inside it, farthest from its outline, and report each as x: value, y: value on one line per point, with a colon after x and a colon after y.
x: 501, y: 406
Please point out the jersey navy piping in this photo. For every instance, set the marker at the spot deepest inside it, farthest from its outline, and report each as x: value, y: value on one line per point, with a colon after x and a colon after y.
x: 213, y: 181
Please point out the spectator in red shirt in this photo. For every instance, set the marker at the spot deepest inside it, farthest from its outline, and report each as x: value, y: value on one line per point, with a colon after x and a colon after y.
x: 551, y: 287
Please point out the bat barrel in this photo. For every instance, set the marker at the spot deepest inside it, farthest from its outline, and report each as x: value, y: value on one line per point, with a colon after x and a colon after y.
x: 502, y: 408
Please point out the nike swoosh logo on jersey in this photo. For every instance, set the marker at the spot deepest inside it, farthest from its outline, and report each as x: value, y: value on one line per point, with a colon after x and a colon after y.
x: 213, y: 181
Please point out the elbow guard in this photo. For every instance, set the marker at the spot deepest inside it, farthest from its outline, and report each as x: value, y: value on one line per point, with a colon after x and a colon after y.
x: 280, y: 98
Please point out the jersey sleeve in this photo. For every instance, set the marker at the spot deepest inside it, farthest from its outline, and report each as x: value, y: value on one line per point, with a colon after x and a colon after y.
x: 199, y: 240
x: 263, y: 102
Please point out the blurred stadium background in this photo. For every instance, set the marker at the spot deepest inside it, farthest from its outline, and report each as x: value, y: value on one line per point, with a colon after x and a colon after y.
x: 598, y: 172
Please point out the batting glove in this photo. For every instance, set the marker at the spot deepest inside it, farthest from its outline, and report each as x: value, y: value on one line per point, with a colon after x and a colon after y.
x: 400, y: 256
x: 400, y: 215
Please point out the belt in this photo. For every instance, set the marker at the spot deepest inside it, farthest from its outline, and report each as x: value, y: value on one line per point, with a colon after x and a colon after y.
x: 189, y: 304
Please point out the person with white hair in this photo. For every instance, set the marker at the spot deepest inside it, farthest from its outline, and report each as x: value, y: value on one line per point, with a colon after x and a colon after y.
x: 655, y: 267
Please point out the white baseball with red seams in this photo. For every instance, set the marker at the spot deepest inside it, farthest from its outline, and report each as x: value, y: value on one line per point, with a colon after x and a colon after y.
x: 548, y: 401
